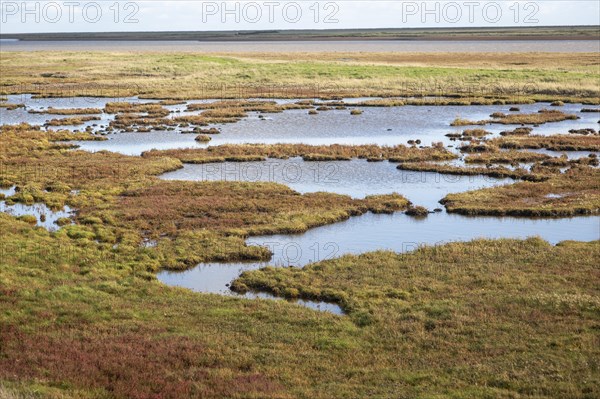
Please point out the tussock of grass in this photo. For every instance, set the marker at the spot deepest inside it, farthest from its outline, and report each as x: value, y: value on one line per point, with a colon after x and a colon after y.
x: 466, y: 122
x: 11, y: 107
x: 417, y: 211
x: 520, y: 131
x: 203, y: 138
x: 67, y: 111
x: 474, y: 133
x: 79, y: 120
x: 478, y: 147
x: 506, y: 157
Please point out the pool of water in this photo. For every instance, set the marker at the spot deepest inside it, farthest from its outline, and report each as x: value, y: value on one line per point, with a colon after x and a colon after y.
x: 357, y: 178
x: 377, y: 125
x: 370, y: 232
x: 45, y: 217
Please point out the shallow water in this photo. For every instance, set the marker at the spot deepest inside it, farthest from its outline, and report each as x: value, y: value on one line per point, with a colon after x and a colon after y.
x: 357, y: 178
x: 38, y: 210
x: 370, y: 232
x: 377, y: 125
x: 9, y: 191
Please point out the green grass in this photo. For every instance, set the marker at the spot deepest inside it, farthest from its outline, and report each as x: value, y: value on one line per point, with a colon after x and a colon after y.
x: 483, y: 319
x: 480, y: 319
x: 564, y: 77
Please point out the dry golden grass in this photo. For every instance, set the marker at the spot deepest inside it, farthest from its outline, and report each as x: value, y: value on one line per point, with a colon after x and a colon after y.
x: 506, y: 157
x: 555, y: 142
x: 78, y: 120
x: 67, y: 111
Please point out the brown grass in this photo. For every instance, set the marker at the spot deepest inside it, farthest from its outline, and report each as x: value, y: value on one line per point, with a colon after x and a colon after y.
x: 79, y: 120
x: 539, y: 118
x: 553, y: 143
x: 203, y: 138
x: 506, y: 157
x: 577, y: 192
x: 11, y: 107
x: 67, y: 111
x: 250, y: 208
x: 223, y: 153
x: 520, y: 131
x: 499, y: 172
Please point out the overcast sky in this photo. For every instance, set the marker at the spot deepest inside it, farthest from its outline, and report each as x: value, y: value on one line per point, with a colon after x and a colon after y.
x: 105, y: 16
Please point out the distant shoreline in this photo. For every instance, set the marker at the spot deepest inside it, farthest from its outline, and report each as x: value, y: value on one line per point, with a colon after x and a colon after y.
x: 416, y: 34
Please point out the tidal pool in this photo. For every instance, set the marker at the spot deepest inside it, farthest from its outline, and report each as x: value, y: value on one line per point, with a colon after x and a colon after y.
x: 45, y: 217
x: 370, y: 232
x: 377, y: 125
x: 357, y: 178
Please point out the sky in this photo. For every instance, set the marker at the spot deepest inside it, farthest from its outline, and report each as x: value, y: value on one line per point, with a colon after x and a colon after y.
x: 20, y: 16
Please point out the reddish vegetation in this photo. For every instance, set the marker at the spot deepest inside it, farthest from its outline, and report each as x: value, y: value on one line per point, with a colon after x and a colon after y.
x: 136, y: 364
x: 168, y: 207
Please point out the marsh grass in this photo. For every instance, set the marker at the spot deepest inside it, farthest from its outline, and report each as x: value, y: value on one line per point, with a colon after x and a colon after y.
x: 477, y: 133
x: 499, y: 172
x: 485, y: 301
x: 511, y: 77
x: 203, y: 138
x: 84, y: 317
x: 576, y: 192
x: 506, y: 157
x: 11, y: 107
x: 520, y: 131
x: 241, y: 152
x: 122, y: 201
x: 554, y: 143
x: 67, y: 111
x: 539, y: 118
x: 79, y: 120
